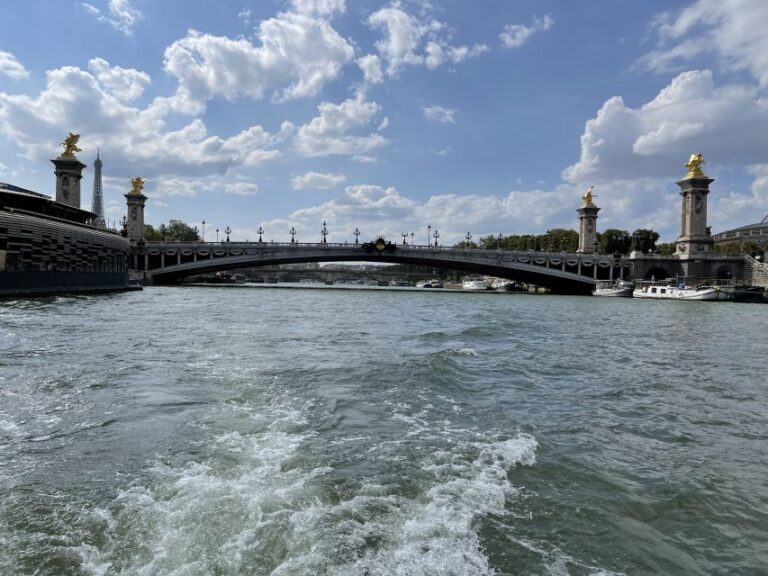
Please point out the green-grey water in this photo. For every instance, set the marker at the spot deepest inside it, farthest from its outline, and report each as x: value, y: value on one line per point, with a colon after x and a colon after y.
x: 244, y: 431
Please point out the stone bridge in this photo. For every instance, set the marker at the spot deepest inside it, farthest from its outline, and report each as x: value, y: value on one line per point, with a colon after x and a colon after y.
x: 563, y: 273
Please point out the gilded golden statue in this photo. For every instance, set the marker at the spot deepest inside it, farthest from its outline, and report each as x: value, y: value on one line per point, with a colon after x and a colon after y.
x: 137, y: 185
x: 589, y: 198
x: 694, y: 165
x: 70, y: 145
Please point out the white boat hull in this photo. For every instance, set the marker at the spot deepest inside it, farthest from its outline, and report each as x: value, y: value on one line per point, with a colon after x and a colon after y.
x: 678, y: 293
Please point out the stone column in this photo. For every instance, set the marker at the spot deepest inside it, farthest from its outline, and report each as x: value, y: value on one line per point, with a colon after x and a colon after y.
x: 695, y: 238
x: 135, y: 200
x: 588, y: 224
x: 69, y: 172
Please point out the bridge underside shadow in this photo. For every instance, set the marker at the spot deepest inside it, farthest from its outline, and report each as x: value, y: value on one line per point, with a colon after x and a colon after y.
x: 562, y: 274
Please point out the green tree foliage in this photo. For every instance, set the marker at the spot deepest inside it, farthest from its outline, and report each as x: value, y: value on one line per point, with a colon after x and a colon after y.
x: 151, y: 233
x: 666, y: 248
x: 644, y: 240
x: 613, y: 241
x: 555, y: 240
x: 178, y: 231
x: 559, y: 240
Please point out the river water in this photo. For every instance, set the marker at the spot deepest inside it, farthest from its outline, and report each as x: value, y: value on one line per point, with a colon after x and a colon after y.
x: 246, y: 431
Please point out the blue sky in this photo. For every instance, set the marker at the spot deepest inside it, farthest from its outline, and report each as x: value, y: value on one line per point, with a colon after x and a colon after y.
x: 388, y: 116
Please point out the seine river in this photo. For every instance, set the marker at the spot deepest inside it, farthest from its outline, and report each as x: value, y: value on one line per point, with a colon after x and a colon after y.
x: 248, y: 431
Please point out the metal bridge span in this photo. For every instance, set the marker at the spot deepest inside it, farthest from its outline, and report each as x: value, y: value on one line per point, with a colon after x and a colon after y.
x: 564, y: 273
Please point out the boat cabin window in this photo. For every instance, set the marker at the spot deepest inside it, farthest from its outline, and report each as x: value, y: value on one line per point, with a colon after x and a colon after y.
x: 653, y: 290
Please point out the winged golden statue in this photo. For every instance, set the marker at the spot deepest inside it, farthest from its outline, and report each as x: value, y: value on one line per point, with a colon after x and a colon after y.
x: 589, y: 198
x: 694, y: 165
x: 70, y: 145
x: 137, y: 185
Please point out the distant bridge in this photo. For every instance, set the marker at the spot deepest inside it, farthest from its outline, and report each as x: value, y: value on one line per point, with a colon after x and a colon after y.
x: 563, y: 273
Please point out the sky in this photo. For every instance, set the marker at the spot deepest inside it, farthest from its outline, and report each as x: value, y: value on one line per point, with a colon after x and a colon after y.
x: 391, y: 116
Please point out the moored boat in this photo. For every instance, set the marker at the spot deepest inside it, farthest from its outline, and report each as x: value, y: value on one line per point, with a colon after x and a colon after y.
x: 434, y: 283
x: 681, y: 291
x: 474, y: 283
x: 614, y: 288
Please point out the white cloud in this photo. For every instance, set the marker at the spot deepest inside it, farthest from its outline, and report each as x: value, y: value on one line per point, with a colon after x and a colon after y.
x: 319, y: 7
x: 11, y: 67
x: 332, y: 132
x: 515, y: 35
x: 192, y: 187
x: 124, y: 84
x: 370, y: 64
x: 405, y: 35
x: 122, y: 15
x: 440, y: 114
x: 299, y: 50
x: 317, y: 180
x: 728, y: 124
x: 137, y: 140
x: 731, y: 29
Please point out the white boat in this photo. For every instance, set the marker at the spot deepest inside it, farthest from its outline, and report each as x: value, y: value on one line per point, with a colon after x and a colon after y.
x: 474, y: 283
x: 614, y: 288
x: 434, y: 283
x: 504, y: 285
x: 670, y: 291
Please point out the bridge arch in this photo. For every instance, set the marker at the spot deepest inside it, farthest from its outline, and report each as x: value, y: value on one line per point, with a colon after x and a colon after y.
x: 562, y: 273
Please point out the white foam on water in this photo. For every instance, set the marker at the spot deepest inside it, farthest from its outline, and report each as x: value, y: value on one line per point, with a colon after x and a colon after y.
x: 432, y: 533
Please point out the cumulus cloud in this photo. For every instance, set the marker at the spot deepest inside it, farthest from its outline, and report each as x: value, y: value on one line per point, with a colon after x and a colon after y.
x: 728, y: 124
x: 124, y: 84
x: 11, y: 67
x: 411, y: 41
x: 732, y: 30
x: 138, y: 139
x: 122, y: 16
x: 440, y: 114
x: 336, y: 130
x: 299, y: 52
x: 319, y: 7
x: 192, y: 187
x: 370, y: 64
x: 317, y: 181
x: 515, y: 35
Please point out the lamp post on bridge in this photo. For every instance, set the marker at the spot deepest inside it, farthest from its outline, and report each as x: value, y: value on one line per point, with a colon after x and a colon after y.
x: 203, y: 230
x: 260, y: 231
x: 411, y: 238
x: 501, y: 237
x: 468, y: 238
x: 356, y: 233
x: 436, y: 235
x: 324, y: 232
x: 404, y: 235
x: 293, y: 233
x: 429, y: 234
x: 217, y: 235
x: 227, y: 231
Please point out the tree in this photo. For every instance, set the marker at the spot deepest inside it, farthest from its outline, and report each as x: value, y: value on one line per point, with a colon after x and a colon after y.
x: 644, y: 240
x: 559, y: 240
x: 151, y: 233
x: 613, y: 241
x: 178, y: 231
x: 666, y: 248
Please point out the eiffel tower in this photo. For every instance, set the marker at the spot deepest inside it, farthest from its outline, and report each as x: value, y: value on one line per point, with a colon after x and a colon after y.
x: 97, y: 204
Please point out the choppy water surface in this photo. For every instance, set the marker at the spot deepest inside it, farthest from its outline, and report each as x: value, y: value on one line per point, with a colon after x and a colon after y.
x: 225, y: 431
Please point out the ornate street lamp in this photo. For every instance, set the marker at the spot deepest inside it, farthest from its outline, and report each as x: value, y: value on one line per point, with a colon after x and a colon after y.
x: 404, y: 235
x: 411, y: 238
x: 429, y: 234
x: 468, y: 238
x: 203, y: 230
x: 260, y: 231
x: 293, y: 233
x: 162, y: 232
x: 324, y: 232
x: 436, y: 236
x: 356, y: 233
x: 500, y: 239
x: 227, y: 231
x: 217, y: 235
